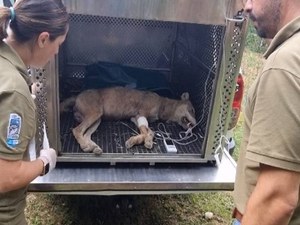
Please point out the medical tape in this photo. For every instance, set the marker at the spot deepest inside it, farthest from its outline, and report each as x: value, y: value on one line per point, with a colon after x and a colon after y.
x: 142, y: 121
x: 45, y: 139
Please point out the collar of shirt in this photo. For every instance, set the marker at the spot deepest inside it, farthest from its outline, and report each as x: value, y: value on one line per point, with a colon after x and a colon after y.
x: 284, y: 33
x: 11, y: 55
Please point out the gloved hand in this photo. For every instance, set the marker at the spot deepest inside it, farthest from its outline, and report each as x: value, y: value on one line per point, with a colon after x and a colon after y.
x: 49, y: 156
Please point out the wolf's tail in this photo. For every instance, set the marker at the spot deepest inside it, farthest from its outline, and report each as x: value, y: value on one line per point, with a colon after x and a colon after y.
x: 65, y: 106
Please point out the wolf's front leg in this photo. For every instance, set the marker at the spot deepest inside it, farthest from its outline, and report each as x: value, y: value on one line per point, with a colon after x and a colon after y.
x: 135, y: 140
x: 148, y: 143
x: 146, y: 134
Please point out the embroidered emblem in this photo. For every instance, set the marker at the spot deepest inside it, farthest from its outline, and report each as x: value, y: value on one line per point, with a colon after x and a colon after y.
x: 13, y: 130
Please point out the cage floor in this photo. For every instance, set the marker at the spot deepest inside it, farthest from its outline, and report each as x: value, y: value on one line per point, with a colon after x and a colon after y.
x: 112, y: 135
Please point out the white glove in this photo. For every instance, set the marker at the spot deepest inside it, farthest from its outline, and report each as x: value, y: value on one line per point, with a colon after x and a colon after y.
x: 48, y: 156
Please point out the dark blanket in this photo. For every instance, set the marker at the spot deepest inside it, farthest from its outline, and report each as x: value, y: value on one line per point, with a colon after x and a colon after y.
x: 105, y: 74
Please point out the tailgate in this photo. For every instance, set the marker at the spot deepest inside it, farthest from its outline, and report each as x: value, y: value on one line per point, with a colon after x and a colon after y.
x: 90, y: 178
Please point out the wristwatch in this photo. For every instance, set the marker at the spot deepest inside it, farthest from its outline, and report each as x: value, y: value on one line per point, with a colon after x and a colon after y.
x: 46, y: 166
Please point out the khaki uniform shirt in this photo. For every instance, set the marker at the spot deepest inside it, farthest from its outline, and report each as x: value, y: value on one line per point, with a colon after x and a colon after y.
x: 272, y: 116
x: 17, y: 126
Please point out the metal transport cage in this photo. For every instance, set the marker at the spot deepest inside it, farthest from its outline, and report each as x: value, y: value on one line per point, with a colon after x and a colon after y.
x: 165, y: 46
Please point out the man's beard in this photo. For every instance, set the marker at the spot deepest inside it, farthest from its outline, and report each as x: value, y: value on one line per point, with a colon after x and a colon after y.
x: 261, y: 31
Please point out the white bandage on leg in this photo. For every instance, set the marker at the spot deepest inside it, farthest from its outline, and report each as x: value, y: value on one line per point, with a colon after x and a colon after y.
x: 142, y: 121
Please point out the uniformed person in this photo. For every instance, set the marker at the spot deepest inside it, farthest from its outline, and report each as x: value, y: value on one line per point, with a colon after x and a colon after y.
x: 267, y: 183
x: 31, y: 32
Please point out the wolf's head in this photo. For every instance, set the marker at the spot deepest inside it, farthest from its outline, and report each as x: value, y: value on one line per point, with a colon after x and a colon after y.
x: 184, y: 113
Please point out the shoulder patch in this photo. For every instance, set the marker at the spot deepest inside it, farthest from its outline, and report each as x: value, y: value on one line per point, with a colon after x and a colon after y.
x: 13, y: 130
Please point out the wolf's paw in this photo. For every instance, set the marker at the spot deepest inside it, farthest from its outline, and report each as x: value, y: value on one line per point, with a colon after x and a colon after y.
x: 97, y: 150
x: 91, y: 147
x: 129, y: 143
x: 148, y: 144
x: 87, y: 149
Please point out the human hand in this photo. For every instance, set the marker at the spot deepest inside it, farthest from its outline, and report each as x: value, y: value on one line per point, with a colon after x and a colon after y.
x: 48, y: 156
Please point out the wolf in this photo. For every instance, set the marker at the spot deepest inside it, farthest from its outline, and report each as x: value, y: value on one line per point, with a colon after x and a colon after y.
x: 91, y: 106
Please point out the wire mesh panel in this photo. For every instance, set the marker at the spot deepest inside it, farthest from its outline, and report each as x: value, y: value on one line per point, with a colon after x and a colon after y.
x: 186, y: 56
x: 111, y: 137
x: 196, y: 64
x: 119, y: 40
x: 226, y: 84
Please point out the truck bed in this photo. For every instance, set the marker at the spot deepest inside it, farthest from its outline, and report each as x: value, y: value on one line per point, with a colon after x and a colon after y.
x: 99, y: 179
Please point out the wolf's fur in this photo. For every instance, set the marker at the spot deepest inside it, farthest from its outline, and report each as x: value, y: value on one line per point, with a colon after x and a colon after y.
x: 91, y: 106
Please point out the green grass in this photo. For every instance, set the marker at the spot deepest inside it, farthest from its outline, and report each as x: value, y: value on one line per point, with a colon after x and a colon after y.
x: 253, y: 42
x: 183, y: 209
x: 238, y: 135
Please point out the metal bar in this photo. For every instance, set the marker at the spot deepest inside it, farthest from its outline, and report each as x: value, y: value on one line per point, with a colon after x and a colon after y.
x: 193, y: 11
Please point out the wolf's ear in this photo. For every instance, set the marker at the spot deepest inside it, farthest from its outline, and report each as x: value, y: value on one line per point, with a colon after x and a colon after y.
x: 185, y: 96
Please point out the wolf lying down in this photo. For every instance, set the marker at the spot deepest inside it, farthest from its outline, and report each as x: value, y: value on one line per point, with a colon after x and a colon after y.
x: 91, y: 106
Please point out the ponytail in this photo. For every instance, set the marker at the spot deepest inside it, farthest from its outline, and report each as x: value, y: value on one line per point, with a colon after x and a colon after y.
x: 28, y: 18
x: 5, y: 16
